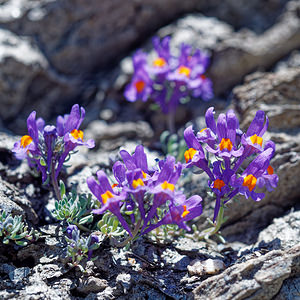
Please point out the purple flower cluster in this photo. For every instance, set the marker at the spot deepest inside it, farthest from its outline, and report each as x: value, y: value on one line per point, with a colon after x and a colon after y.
x: 169, y: 79
x: 47, y: 147
x: 80, y: 247
x: 139, y: 192
x: 230, y: 149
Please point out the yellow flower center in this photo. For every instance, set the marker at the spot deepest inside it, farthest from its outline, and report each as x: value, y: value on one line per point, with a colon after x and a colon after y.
x: 185, y: 211
x: 256, y: 140
x: 159, y: 62
x: 107, y: 195
x: 140, y: 85
x: 76, y: 134
x: 144, y: 174
x: 25, y: 140
x: 184, y: 70
x: 218, y: 184
x: 250, y: 182
x: 203, y: 129
x: 270, y: 170
x: 189, y: 154
x: 226, y: 144
x: 165, y: 185
x: 138, y: 182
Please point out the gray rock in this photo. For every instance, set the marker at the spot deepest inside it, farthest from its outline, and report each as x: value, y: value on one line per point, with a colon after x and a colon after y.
x: 283, y: 233
x: 174, y: 260
x: 92, y: 285
x: 290, y: 289
x: 120, y: 131
x: 25, y: 76
x: 6, y: 268
x: 72, y: 31
x: 259, y: 278
x: 124, y: 281
x: 209, y: 266
x: 18, y: 275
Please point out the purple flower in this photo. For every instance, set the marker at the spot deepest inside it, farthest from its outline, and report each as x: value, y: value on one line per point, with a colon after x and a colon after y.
x: 227, y: 148
x: 185, y: 210
x: 140, y: 87
x: 268, y: 179
x: 93, y: 240
x: 169, y: 79
x: 161, y: 64
x: 109, y: 199
x: 142, y: 192
x: 47, y: 147
x: 247, y: 182
x: 226, y: 134
x: 195, y: 155
x: 68, y: 128
x: 72, y: 232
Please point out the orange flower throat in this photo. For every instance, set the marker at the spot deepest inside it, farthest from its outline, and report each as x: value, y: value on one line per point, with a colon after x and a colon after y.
x: 165, y: 185
x: 140, y: 85
x: 226, y: 144
x: 138, y: 182
x: 107, y: 195
x: 76, y: 134
x: 185, y: 211
x: 25, y: 140
x: 189, y: 154
x: 159, y: 62
x: 218, y: 184
x: 256, y: 140
x: 250, y: 182
x: 184, y: 71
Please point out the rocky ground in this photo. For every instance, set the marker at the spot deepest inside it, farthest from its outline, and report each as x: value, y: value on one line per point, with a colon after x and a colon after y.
x: 255, y: 65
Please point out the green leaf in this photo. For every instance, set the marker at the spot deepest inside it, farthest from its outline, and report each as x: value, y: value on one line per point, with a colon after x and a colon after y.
x: 43, y: 162
x: 62, y: 188
x: 115, y: 225
x: 21, y: 243
x: 87, y: 219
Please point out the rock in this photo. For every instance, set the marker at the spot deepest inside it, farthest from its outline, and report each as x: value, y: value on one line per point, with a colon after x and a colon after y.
x: 275, y: 93
x: 175, y: 260
x: 209, y: 267
x: 94, y: 35
x: 16, y: 54
x: 101, y: 131
x: 213, y: 266
x: 290, y: 289
x: 73, y: 31
x: 283, y: 233
x: 7, y: 269
x: 259, y: 278
x: 24, y: 90
x: 124, y: 281
x: 18, y: 275
x: 92, y: 285
x: 246, y: 51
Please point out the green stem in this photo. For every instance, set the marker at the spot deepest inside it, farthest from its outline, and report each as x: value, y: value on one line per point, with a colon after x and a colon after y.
x: 130, y: 238
x: 171, y: 122
x: 83, y: 228
x: 213, y: 230
x: 54, y: 181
